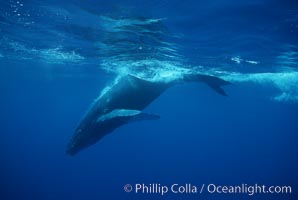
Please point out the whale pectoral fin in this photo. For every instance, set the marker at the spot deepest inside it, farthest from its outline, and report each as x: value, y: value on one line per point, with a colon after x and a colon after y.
x: 126, y: 114
x: 144, y: 116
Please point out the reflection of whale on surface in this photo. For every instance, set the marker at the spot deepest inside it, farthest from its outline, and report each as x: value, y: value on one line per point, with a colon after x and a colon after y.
x: 123, y: 103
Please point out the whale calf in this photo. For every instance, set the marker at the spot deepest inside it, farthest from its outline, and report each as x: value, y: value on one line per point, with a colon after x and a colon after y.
x: 124, y: 102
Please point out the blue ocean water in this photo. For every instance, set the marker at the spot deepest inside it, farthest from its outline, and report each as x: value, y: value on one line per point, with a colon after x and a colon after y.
x: 57, y: 56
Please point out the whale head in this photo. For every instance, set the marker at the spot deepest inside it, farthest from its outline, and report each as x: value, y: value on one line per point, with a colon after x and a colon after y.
x: 92, y: 129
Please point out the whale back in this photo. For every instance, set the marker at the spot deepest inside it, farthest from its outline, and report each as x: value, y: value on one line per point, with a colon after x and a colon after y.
x: 130, y: 92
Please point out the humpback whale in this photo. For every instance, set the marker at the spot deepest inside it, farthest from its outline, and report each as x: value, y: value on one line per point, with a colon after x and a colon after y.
x: 124, y: 102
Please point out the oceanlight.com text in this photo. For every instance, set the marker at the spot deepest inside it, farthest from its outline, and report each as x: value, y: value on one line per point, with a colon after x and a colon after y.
x: 189, y: 188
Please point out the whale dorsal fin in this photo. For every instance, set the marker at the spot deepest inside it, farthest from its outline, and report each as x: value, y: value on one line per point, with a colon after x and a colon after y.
x: 126, y: 114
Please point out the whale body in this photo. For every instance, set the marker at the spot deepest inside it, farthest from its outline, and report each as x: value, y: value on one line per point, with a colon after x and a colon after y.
x: 123, y: 103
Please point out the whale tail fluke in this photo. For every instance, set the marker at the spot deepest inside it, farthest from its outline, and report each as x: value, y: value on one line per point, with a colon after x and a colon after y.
x: 212, y: 81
